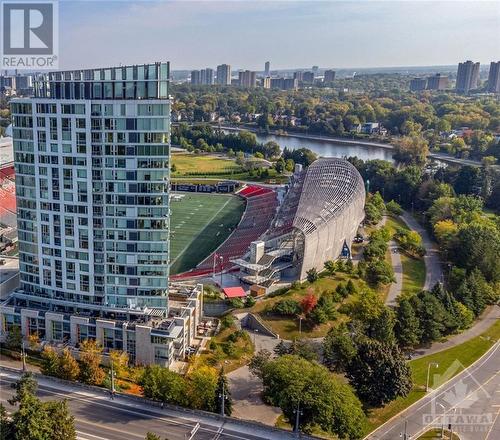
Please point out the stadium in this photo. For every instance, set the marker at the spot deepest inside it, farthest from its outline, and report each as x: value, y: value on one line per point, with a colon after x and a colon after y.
x: 316, y: 221
x: 282, y: 232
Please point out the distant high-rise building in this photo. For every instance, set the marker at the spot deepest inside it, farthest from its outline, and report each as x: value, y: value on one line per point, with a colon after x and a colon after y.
x: 308, y: 77
x: 203, y: 76
x: 207, y: 76
x: 267, y: 68
x: 266, y: 82
x: 195, y: 77
x: 248, y: 78
x: 467, y: 76
x: 329, y: 76
x: 284, y: 83
x: 494, y: 77
x: 224, y: 75
x: 290, y: 84
x: 315, y: 70
x: 418, y: 84
x: 437, y: 82
x: 298, y: 75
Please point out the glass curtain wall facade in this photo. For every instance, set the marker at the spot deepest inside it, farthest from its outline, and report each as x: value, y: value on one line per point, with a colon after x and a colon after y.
x: 92, y: 154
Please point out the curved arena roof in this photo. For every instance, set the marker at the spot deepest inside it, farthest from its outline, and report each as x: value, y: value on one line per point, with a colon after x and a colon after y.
x: 330, y: 186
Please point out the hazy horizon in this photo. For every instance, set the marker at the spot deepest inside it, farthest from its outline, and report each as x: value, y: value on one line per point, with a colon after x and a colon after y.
x: 337, y: 34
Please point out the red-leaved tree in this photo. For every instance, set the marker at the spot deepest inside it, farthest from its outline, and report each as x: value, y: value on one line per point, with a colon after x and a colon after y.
x: 308, y: 302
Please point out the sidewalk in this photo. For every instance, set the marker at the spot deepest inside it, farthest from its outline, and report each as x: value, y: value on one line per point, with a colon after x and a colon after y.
x: 483, y: 323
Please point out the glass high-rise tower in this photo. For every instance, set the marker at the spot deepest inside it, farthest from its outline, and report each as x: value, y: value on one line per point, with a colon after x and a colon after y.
x: 92, y: 155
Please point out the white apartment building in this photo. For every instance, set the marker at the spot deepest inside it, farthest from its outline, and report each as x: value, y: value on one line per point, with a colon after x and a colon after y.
x: 92, y: 158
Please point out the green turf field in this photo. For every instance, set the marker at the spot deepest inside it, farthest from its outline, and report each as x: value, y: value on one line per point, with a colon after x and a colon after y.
x: 199, y: 224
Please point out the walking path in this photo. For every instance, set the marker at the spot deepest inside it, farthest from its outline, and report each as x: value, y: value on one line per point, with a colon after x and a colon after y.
x: 483, y: 323
x: 246, y: 389
x: 396, y: 287
x: 433, y: 269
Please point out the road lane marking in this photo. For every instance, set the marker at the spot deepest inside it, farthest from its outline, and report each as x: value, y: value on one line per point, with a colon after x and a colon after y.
x: 168, y: 421
x: 492, y: 426
x: 481, y: 386
x: 398, y: 418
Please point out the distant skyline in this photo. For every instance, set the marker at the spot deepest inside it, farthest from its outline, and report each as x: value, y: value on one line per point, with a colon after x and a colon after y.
x: 340, y: 34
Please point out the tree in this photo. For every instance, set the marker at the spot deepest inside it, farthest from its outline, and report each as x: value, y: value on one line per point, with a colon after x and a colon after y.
x: 202, y: 388
x: 312, y: 275
x: 349, y: 266
x: 14, y: 338
x: 292, y: 383
x: 407, y: 327
x: 68, y: 366
x: 411, y: 149
x: 90, y: 360
x: 394, y: 208
x: 379, y: 372
x: 330, y: 267
x: 6, y: 427
x: 286, y: 307
x: 119, y: 360
x: 50, y: 365
x: 308, y: 302
x: 338, y: 348
x: 350, y: 287
x: 36, y: 420
x: 379, y: 272
x: 161, y: 384
x: 258, y: 361
x: 223, y: 392
x: 62, y: 422
x: 431, y: 315
x: 382, y: 327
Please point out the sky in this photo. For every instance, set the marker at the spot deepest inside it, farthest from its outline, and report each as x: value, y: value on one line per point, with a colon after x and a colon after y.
x: 290, y: 34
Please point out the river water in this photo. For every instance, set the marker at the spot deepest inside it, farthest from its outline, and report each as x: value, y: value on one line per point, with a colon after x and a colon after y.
x: 326, y: 148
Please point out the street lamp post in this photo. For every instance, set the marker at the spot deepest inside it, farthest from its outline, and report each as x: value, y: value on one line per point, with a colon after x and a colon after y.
x: 433, y: 364
x: 297, y: 413
x: 112, y: 374
x: 404, y: 435
x: 23, y: 357
x: 442, y: 419
x: 300, y: 325
x: 223, y: 398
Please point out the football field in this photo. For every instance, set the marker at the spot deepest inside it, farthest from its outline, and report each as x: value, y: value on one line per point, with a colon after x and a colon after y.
x: 199, y: 223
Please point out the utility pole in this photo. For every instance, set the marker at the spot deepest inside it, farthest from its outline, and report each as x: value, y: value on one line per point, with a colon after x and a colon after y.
x: 404, y: 435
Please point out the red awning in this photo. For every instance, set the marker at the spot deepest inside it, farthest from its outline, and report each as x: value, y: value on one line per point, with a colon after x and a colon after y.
x: 234, y: 292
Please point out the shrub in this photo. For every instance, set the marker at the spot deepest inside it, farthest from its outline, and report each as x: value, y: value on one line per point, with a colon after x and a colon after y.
x: 286, y: 307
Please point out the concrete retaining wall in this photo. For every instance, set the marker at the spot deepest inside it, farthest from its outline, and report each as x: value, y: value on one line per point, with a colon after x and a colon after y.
x: 253, y: 322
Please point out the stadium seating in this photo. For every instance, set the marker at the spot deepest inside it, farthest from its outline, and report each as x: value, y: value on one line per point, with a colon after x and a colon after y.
x: 7, y: 197
x: 260, y: 209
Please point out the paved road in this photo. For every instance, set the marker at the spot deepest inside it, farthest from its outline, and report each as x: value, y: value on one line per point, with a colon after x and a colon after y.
x: 470, y: 402
x: 433, y: 269
x: 99, y: 418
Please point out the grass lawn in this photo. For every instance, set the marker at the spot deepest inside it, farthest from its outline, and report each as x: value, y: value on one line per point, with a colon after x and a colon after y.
x: 436, y: 434
x: 187, y: 163
x: 199, y: 224
x: 413, y: 268
x: 288, y: 327
x: 465, y: 354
